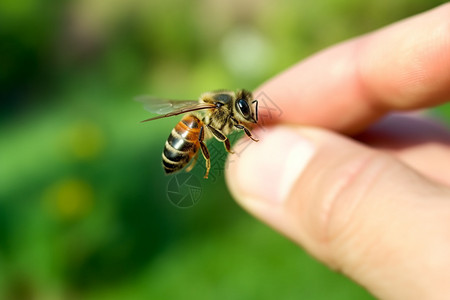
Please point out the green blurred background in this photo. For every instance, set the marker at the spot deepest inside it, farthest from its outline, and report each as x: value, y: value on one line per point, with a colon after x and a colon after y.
x: 84, y: 212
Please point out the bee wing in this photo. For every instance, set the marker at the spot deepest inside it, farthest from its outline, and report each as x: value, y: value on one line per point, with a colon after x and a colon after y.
x: 168, y: 108
x: 163, y: 106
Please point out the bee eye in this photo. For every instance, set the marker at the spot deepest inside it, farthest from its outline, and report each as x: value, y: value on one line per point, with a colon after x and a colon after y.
x: 243, y: 107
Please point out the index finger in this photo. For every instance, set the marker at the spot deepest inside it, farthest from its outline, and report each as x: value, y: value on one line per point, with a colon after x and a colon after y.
x: 349, y: 86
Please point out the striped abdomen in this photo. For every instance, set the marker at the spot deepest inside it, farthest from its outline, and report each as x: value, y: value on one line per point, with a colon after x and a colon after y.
x: 182, y: 144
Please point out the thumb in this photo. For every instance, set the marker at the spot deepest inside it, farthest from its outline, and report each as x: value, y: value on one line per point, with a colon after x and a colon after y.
x: 360, y: 211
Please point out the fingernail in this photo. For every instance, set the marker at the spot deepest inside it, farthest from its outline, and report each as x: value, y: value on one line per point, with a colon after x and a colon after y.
x: 267, y: 170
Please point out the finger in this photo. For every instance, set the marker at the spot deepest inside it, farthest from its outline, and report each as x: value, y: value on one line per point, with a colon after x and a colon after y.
x: 421, y: 143
x: 358, y: 210
x: 349, y: 86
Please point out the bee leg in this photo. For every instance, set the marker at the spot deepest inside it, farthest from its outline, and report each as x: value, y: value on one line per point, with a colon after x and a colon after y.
x: 228, y: 146
x: 191, y: 166
x: 247, y: 132
x: 205, y: 152
x: 222, y: 138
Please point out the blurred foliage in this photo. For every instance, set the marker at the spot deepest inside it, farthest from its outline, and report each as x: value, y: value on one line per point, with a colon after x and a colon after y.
x: 83, y: 199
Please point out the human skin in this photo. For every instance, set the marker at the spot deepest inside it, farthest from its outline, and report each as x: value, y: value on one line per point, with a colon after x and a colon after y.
x: 374, y: 206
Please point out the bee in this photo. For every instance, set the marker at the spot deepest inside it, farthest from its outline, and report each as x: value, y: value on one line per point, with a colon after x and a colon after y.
x: 216, y: 114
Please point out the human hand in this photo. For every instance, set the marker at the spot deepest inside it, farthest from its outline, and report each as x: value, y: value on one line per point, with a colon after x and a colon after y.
x: 376, y: 208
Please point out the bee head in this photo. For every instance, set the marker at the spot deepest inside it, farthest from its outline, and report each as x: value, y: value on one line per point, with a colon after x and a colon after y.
x: 245, y: 111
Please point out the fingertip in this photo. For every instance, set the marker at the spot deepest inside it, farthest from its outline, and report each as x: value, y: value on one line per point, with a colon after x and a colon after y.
x: 267, y: 170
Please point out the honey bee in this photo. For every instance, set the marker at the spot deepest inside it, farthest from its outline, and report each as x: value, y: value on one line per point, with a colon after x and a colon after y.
x: 216, y: 114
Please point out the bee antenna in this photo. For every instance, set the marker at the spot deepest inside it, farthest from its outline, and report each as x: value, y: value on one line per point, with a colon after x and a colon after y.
x: 256, y: 109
